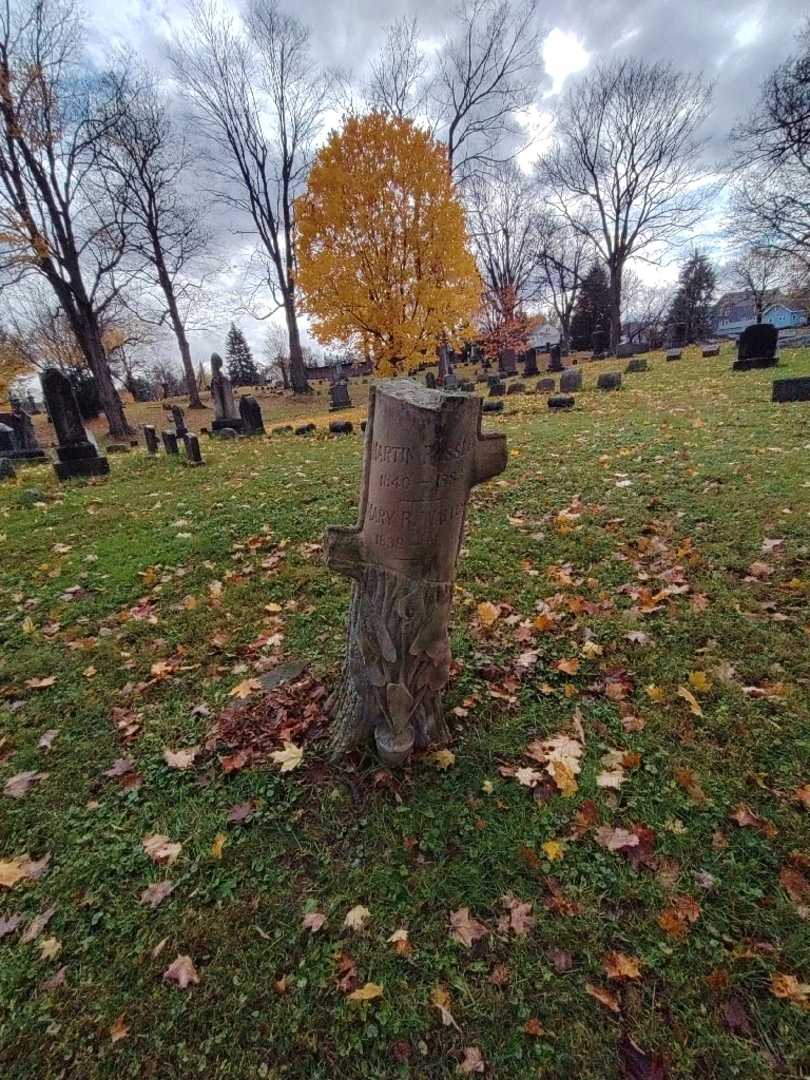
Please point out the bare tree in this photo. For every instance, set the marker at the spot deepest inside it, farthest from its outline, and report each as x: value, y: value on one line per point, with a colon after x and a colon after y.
x: 502, y: 210
x: 146, y: 165
x: 275, y: 353
x: 771, y: 187
x: 757, y: 271
x: 487, y: 71
x: 259, y: 100
x: 52, y: 223
x: 626, y: 168
x: 398, y: 76
x: 563, y: 256
x: 644, y: 309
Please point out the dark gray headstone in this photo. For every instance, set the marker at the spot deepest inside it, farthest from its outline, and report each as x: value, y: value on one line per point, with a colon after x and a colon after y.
x: 530, y: 364
x: 27, y: 447
x: 709, y: 350
x: 305, y: 429
x: 179, y: 421
x: 7, y: 470
x: 545, y: 386
x: 516, y: 388
x: 609, y: 380
x: 150, y: 438
x: 8, y: 441
x: 555, y: 358
x: 561, y: 401
x: 192, y: 444
x: 625, y: 349
x: 507, y: 362
x: 797, y: 389
x: 430, y: 380
x: 571, y: 380
x: 497, y: 388
x: 341, y: 427
x: 339, y: 396
x: 251, y: 413
x: 169, y: 442
x: 282, y: 429
x: 467, y: 387
x: 599, y: 342
x: 76, y: 451
x: 673, y: 354
x: 756, y: 347
x: 638, y: 363
x: 493, y: 406
x: 117, y: 448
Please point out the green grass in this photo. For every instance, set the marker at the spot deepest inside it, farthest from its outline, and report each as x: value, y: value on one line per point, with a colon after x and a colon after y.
x: 714, y: 469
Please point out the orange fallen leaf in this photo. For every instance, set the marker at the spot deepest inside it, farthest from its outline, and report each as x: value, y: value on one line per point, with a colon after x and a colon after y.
x: 603, y: 996
x: 619, y: 965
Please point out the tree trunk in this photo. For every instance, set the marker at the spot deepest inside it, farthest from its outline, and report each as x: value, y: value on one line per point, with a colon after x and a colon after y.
x: 615, y: 288
x: 166, y: 285
x: 85, y: 327
x: 298, y: 374
x: 423, y: 452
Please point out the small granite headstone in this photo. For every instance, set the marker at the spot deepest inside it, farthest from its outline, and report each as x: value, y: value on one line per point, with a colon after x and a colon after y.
x: 451, y: 381
x: 756, y: 347
x: 571, y: 380
x: 341, y: 427
x: 599, y: 343
x: 467, y: 387
x: 283, y: 429
x: 251, y: 413
x: 516, y: 388
x: 7, y: 470
x: 530, y: 364
x: 150, y: 438
x: 507, y: 363
x: 626, y: 349
x: 27, y: 447
x: 305, y: 429
x: 673, y: 354
x: 561, y: 401
x: 638, y: 363
x: 555, y: 358
x: 193, y: 455
x: 76, y: 451
x: 497, y: 388
x: 117, y: 448
x: 710, y: 350
x: 430, y: 380
x: 609, y: 380
x: 179, y: 421
x: 339, y: 395
x: 493, y: 406
x: 797, y: 389
x: 226, y: 433
x: 169, y: 442
x: 546, y: 386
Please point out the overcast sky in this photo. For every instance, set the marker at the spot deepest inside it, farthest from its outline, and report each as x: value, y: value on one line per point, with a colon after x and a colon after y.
x: 736, y: 44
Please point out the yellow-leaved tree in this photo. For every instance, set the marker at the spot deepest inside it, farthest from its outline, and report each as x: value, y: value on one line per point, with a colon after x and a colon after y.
x: 382, y: 248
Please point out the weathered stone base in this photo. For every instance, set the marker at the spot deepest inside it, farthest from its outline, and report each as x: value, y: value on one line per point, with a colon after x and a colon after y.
x: 561, y: 401
x: 233, y: 422
x: 22, y: 456
x: 791, y: 389
x: 89, y: 466
x: 337, y: 408
x: 755, y: 362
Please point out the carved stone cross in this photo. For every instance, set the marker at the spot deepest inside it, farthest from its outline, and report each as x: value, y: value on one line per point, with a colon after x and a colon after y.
x: 423, y: 452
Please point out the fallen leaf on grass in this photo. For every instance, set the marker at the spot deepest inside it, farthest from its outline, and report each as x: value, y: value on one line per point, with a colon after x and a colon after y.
x: 180, y: 759
x: 399, y: 939
x: 700, y: 682
x: 17, y: 786
x: 691, y: 700
x: 219, y: 843
x: 553, y: 850
x: 681, y: 913
x: 161, y: 849
x: 182, y: 972
x: 519, y: 918
x: 242, y: 812
x: 119, y: 1029
x: 245, y: 688
x: 156, y: 893
x: 637, y: 1064
x: 802, y: 796
x: 40, y: 684
x: 440, y: 999
x: 356, y: 918
x: 313, y: 921
x: 561, y: 960
x: 8, y: 924
x: 603, y: 996
x: 55, y: 981
x: 797, y: 887
x: 49, y: 948
x: 234, y: 762
x: 37, y: 925
x: 788, y: 987
x: 473, y: 1061
x: 120, y: 767
x: 21, y: 868
x: 528, y: 777
x: 615, y: 839
x: 736, y: 1016
x: 465, y: 929
x: 619, y: 965
x: 442, y: 759
x: 289, y: 758
x: 533, y: 1027
x: 368, y: 992
x: 46, y: 739
x: 488, y: 614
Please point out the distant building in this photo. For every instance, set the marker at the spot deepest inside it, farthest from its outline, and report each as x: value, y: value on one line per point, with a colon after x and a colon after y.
x: 544, y: 336
x: 734, y: 311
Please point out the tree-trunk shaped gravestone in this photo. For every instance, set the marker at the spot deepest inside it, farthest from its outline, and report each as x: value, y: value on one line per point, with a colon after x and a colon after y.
x: 226, y: 411
x: 423, y: 452
x: 78, y: 456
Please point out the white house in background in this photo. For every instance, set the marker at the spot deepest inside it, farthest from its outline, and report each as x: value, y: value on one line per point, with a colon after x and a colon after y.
x: 734, y: 312
x: 544, y: 336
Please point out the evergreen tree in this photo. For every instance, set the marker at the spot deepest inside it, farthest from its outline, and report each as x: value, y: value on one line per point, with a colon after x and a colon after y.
x: 592, y: 307
x: 242, y: 370
x: 690, y: 316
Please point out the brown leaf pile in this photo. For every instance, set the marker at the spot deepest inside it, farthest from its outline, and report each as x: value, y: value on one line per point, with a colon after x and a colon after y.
x: 291, y: 712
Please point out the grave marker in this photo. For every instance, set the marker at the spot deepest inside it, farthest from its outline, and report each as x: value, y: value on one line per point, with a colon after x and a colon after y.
x: 756, y: 347
x: 150, y: 438
x: 609, y: 380
x: 226, y: 413
x: 423, y: 452
x: 250, y: 412
x: 77, y: 453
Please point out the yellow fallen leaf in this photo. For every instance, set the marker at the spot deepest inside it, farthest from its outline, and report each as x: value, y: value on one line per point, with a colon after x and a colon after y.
x: 289, y: 758
x: 219, y: 843
x: 655, y: 693
x: 442, y: 759
x: 700, y: 682
x: 49, y: 948
x: 691, y: 700
x: 553, y: 850
x: 366, y: 993
x: 487, y: 787
x: 488, y: 614
x: 356, y: 918
x: 245, y: 688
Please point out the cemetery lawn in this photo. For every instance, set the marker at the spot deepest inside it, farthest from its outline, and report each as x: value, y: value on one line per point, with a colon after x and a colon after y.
x: 639, y: 579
